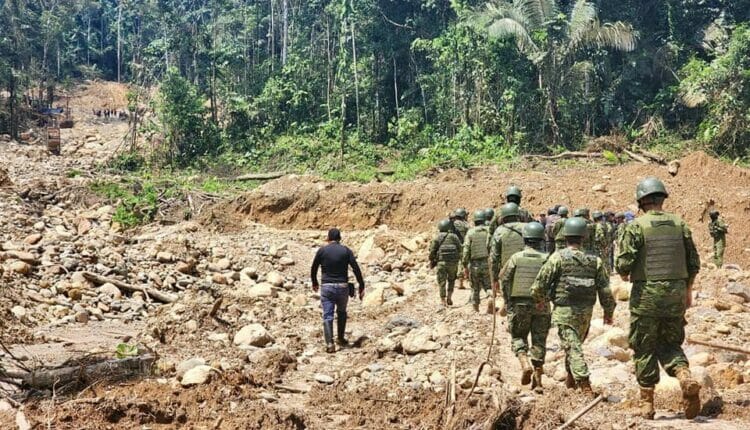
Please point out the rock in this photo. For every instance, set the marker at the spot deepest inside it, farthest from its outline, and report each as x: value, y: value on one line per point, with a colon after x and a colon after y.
x: 165, y: 257
x: 299, y: 300
x: 616, y: 336
x: 264, y: 289
x: 188, y: 364
x: 220, y: 279
x: 723, y: 329
x: 725, y: 375
x: 374, y: 298
x: 402, y: 321
x: 18, y: 311
x: 369, y: 253
x: 275, y: 278
x: 82, y: 317
x: 702, y: 359
x: 197, y: 375
x: 75, y: 294
x: 419, y: 341
x: 286, y: 261
x: 20, y: 267
x: 110, y: 290
x: 21, y: 422
x: 601, y: 188
x: 668, y: 387
x: 33, y: 239
x: 323, y: 378
x: 83, y: 226
x: 673, y: 167
x: 249, y: 273
x: 253, y: 335
x: 186, y: 267
x: 410, y: 245
x: 436, y: 378
x: 740, y: 290
x: 621, y: 290
x: 701, y: 375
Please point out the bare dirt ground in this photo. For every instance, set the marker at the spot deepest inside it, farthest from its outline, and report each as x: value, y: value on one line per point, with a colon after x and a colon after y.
x: 241, y: 346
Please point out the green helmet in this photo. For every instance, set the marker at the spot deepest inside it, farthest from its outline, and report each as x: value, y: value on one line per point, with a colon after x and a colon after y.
x: 581, y: 212
x: 574, y: 227
x: 533, y: 231
x: 597, y: 215
x: 479, y: 215
x: 489, y: 214
x: 562, y: 211
x: 461, y: 213
x: 444, y: 226
x: 650, y: 186
x: 513, y: 191
x: 508, y: 210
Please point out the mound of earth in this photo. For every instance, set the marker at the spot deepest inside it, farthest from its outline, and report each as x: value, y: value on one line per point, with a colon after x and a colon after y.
x: 311, y: 203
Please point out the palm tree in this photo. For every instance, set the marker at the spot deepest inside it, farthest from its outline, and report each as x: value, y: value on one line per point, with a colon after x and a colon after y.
x: 553, y: 41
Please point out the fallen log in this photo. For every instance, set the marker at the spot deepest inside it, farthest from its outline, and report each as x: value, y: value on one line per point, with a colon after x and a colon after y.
x: 653, y: 157
x: 581, y: 412
x: 566, y: 155
x: 719, y: 345
x: 158, y: 295
x: 635, y: 156
x: 106, y: 370
x: 259, y: 176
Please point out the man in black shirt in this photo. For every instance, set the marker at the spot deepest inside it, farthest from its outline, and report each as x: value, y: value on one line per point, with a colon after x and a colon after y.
x: 335, y: 260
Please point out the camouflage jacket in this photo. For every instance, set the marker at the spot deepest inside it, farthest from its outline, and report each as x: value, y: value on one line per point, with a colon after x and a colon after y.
x: 718, y: 229
x: 549, y: 276
x: 461, y: 228
x: 444, y: 240
x: 476, y: 239
x: 523, y: 216
x: 498, y: 255
x: 507, y: 275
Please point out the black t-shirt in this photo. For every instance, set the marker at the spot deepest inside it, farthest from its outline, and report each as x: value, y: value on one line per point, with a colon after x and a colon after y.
x: 335, y: 260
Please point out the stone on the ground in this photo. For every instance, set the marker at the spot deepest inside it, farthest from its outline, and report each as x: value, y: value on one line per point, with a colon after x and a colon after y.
x: 188, y: 364
x: 437, y: 378
x: 253, y: 335
x: 324, y: 379
x: 185, y: 267
x: 374, y: 298
x: 82, y: 317
x: 197, y: 375
x: 739, y: 290
x: 110, y: 290
x: 32, y: 239
x: 275, y: 278
x: 616, y: 336
x: 410, y: 245
x: 702, y: 359
x: 602, y: 188
x: 286, y: 261
x: 419, y: 341
x: 264, y: 289
x: 668, y: 387
x: 723, y: 329
x: 18, y: 311
x: 165, y: 257
x: 20, y: 267
x: 369, y: 252
x: 299, y: 300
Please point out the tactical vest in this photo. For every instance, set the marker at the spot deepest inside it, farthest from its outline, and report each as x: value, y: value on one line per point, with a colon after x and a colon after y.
x: 527, y: 267
x: 577, y: 284
x: 511, y: 239
x: 462, y: 227
x: 589, y: 241
x: 663, y: 256
x: 478, y: 248
x: 448, y: 250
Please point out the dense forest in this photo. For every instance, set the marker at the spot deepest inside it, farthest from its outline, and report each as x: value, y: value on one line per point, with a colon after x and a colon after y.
x: 327, y: 83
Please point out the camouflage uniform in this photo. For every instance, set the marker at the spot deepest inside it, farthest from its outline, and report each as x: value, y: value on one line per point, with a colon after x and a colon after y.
x: 572, y: 279
x: 461, y: 228
x: 523, y: 216
x: 517, y: 276
x: 506, y: 241
x: 589, y: 244
x: 474, y: 258
x: 445, y: 253
x: 657, y: 252
x: 557, y: 233
x: 718, y: 231
x: 601, y: 242
x: 549, y: 236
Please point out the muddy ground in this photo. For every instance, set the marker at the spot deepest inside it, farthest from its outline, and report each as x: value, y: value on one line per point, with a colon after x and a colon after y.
x: 240, y: 346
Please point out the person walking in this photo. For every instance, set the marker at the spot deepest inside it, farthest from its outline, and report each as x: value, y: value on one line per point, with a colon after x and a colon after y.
x: 335, y: 260
x: 717, y: 228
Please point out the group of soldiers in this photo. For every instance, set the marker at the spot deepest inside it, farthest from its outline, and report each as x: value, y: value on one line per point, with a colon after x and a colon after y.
x: 567, y: 263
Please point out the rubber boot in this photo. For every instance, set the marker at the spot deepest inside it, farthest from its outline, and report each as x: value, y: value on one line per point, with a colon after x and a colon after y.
x: 570, y: 382
x: 475, y: 306
x: 449, y: 300
x: 691, y: 400
x: 444, y: 302
x: 526, y: 371
x: 328, y: 335
x: 490, y: 306
x: 536, y: 378
x: 646, y: 404
x: 341, y: 331
x: 585, y: 386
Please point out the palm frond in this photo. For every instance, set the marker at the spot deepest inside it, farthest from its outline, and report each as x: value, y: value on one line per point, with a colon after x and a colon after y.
x: 510, y: 28
x: 549, y: 9
x: 618, y: 35
x: 582, y: 18
x: 692, y: 96
x: 530, y: 12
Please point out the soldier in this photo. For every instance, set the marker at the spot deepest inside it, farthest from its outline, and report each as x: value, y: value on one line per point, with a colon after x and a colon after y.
x: 512, y: 195
x: 552, y: 218
x: 572, y: 279
x: 523, y: 317
x: 460, y: 227
x: 589, y: 241
x: 556, y: 232
x: 601, y: 236
x: 489, y: 215
x: 474, y: 258
x: 507, y: 240
x: 717, y: 228
x: 657, y: 253
x: 445, y: 253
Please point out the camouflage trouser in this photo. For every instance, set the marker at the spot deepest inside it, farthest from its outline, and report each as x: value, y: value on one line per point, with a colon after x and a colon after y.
x: 656, y: 340
x: 446, y: 277
x: 479, y: 272
x: 460, y: 273
x: 573, y: 332
x: 524, y: 319
x: 719, y: 246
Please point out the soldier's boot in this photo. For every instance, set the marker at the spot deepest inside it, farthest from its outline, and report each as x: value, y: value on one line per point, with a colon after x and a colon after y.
x: 475, y: 306
x: 444, y: 301
x: 526, y: 370
x: 570, y: 381
x: 328, y: 335
x: 585, y: 386
x: 341, y: 331
x: 646, y: 404
x: 449, y: 300
x: 490, y: 306
x: 536, y: 378
x: 691, y: 400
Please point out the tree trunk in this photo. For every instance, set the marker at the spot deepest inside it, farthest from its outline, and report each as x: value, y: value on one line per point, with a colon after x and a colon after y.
x: 285, y: 31
x: 356, y: 74
x: 119, y: 41
x: 395, y: 88
x: 329, y: 68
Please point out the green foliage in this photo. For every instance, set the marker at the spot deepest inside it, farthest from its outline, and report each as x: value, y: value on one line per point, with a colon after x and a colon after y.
x: 125, y: 350
x: 136, y: 203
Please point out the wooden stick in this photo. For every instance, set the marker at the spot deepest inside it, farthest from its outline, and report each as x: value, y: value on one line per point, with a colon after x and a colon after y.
x: 566, y: 155
x: 635, y: 156
x: 718, y: 345
x: 581, y: 412
x: 158, y: 295
x: 259, y: 176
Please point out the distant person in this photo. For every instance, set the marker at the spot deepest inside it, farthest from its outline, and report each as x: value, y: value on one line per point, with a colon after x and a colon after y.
x: 542, y: 218
x: 474, y: 258
x: 717, y: 228
x: 657, y: 254
x: 557, y: 230
x: 335, y: 260
x: 445, y: 253
x: 460, y: 227
x: 506, y: 241
x: 512, y: 195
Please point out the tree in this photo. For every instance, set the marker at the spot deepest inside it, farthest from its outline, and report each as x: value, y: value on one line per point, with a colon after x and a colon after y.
x: 557, y: 44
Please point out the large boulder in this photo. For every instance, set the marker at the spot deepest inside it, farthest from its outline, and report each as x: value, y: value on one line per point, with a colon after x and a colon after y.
x: 374, y: 298
x: 253, y: 335
x: 197, y: 375
x: 419, y: 341
x: 739, y: 290
x: 369, y: 252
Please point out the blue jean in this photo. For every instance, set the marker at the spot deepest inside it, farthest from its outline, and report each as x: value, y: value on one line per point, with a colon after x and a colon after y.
x: 333, y: 298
